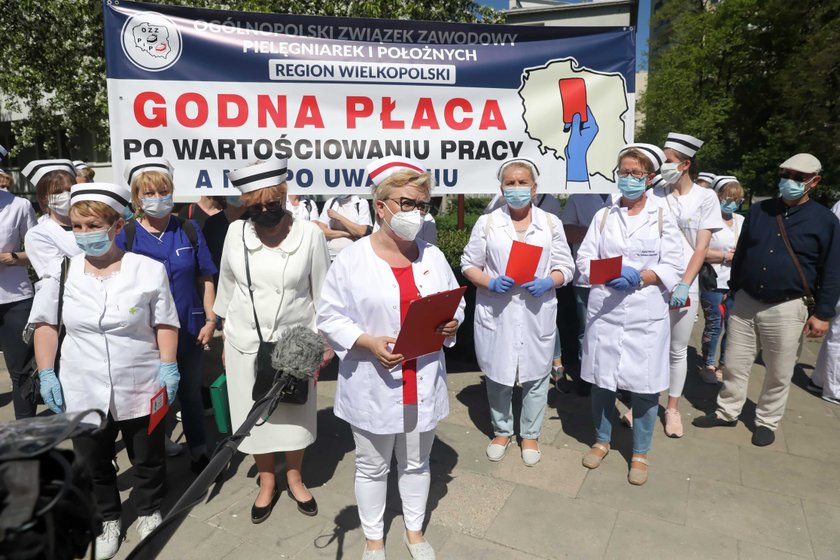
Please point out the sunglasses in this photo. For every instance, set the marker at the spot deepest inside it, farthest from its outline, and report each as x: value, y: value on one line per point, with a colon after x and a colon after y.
x: 270, y: 207
x: 409, y: 204
x: 795, y: 176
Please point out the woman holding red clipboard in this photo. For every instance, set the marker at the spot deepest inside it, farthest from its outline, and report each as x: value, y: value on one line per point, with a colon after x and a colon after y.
x: 515, y: 325
x: 393, y: 405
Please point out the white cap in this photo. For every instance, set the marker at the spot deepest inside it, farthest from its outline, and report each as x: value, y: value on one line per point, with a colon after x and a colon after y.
x: 115, y: 196
x: 654, y: 153
x: 804, y: 163
x: 723, y: 180
x: 380, y: 169
x: 534, y: 171
x: 658, y: 181
x: 3, y: 151
x: 259, y: 175
x: 683, y: 143
x: 708, y: 177
x: 35, y: 170
x: 79, y: 164
x: 135, y: 168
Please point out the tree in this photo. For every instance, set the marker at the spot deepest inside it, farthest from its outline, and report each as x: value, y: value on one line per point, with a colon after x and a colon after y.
x: 53, y: 63
x: 756, y: 79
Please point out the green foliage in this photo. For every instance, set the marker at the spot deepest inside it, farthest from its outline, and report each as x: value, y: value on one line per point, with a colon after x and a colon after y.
x: 452, y: 243
x: 53, y: 63
x: 756, y: 79
x: 473, y: 208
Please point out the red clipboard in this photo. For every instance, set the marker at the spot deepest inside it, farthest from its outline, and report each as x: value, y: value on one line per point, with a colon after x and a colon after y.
x: 683, y: 306
x: 602, y: 271
x: 418, y: 335
x: 158, y: 407
x: 523, y: 261
x: 573, y: 94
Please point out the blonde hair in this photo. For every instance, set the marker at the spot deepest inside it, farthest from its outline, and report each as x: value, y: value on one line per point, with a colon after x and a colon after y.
x: 86, y: 173
x: 519, y: 165
x: 95, y: 209
x: 154, y: 178
x: 400, y: 179
x: 53, y: 182
x: 265, y: 195
x: 732, y: 190
x: 640, y: 157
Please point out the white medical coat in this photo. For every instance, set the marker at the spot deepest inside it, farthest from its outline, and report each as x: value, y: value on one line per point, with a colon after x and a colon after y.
x: 361, y: 295
x: 516, y: 329
x: 628, y: 334
x: 47, y: 244
x: 109, y: 358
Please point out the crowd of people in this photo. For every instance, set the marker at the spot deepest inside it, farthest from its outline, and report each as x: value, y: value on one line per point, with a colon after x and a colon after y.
x: 129, y: 295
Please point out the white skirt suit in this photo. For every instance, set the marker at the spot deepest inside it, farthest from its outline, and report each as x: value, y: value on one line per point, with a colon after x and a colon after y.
x: 286, y: 282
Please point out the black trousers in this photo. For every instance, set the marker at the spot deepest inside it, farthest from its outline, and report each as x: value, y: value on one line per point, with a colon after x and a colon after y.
x: 145, y: 451
x: 13, y: 319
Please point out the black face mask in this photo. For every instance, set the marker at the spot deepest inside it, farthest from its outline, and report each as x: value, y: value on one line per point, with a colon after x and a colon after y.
x: 268, y: 218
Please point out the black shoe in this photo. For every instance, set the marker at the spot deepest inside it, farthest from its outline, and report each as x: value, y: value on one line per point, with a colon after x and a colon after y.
x: 814, y: 388
x: 711, y: 420
x: 260, y: 514
x: 309, y: 508
x: 763, y: 436
x: 199, y: 464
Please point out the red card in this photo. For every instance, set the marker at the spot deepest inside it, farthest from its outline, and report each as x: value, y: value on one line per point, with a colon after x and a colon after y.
x: 683, y: 306
x: 602, y: 271
x: 158, y: 407
x: 573, y: 94
x: 418, y: 335
x: 523, y: 261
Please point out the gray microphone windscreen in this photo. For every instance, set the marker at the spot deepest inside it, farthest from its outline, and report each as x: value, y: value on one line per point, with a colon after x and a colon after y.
x: 298, y: 352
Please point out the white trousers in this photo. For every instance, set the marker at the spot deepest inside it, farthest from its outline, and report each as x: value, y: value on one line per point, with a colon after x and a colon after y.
x: 827, y: 371
x: 373, y: 462
x: 682, y: 323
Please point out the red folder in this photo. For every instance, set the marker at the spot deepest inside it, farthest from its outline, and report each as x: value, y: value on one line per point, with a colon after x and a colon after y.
x: 158, y: 406
x: 602, y: 271
x: 573, y: 94
x: 523, y: 261
x: 683, y: 306
x: 418, y: 335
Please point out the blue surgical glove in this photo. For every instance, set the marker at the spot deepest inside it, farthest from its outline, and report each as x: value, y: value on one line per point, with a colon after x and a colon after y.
x: 51, y: 390
x: 501, y: 284
x: 538, y: 286
x: 169, y: 378
x: 679, y: 295
x: 581, y: 138
x: 629, y: 279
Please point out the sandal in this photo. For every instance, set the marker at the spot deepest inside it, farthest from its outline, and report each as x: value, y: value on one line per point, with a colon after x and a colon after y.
x: 593, y: 461
x: 637, y: 477
x: 626, y: 419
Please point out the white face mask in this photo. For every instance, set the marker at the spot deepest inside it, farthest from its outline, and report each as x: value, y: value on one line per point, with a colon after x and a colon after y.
x: 60, y: 203
x: 405, y: 224
x: 670, y: 173
x: 158, y: 207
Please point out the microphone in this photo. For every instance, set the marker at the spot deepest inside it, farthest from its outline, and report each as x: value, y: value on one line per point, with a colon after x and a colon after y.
x: 297, y: 353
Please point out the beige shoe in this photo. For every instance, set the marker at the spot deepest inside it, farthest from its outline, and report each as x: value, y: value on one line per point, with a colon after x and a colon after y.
x: 673, y: 423
x: 592, y: 460
x: 637, y: 477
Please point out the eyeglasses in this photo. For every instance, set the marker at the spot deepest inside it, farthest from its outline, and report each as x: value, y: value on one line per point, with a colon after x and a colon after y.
x: 738, y: 201
x: 623, y: 174
x: 795, y: 175
x: 409, y: 204
x: 272, y: 206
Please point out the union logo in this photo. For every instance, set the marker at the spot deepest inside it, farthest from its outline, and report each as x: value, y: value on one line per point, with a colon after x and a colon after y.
x: 151, y: 41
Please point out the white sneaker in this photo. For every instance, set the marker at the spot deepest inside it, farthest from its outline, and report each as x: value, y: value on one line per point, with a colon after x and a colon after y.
x: 147, y: 523
x: 832, y: 400
x: 108, y: 542
x: 172, y: 449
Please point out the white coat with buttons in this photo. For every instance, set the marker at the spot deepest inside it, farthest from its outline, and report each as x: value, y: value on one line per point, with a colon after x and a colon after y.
x: 361, y: 296
x: 628, y: 333
x: 109, y: 356
x: 515, y: 329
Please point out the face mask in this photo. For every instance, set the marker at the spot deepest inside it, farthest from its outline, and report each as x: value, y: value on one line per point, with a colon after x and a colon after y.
x: 60, y: 203
x: 630, y: 187
x: 234, y: 201
x: 127, y: 213
x: 792, y: 190
x: 405, y: 224
x: 94, y: 243
x: 518, y: 197
x: 269, y: 218
x: 158, y: 207
x: 670, y: 173
x: 728, y: 207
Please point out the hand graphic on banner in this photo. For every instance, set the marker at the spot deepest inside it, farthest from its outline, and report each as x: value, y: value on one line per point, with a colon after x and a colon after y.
x: 581, y: 138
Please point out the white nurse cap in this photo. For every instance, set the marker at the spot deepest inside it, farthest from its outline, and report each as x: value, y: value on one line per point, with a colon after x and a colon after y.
x: 259, y: 175
x: 380, y: 169
x: 35, y: 170
x: 683, y: 143
x: 115, y: 196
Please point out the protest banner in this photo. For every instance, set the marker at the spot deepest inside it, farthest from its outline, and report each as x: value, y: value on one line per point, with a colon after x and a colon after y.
x: 215, y: 90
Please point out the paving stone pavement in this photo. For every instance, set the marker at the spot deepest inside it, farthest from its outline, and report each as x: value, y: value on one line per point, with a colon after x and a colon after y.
x: 710, y: 494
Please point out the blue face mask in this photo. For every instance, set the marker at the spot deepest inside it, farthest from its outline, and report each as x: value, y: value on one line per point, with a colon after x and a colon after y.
x: 518, y: 197
x: 630, y: 187
x: 94, y: 243
x: 729, y: 207
x: 790, y: 189
x: 234, y: 201
x: 127, y: 213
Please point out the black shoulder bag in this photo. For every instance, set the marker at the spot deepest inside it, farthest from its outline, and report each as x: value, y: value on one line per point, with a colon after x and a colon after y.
x: 808, y: 298
x: 298, y: 389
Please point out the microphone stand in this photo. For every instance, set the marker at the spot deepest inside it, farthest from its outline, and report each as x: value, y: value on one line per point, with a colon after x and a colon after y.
x: 151, y: 547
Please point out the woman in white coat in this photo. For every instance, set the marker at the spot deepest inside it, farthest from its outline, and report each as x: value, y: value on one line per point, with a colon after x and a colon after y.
x: 826, y: 378
x: 287, y: 260
x: 392, y: 405
x: 119, y: 350
x: 52, y: 239
x: 627, y: 336
x: 515, y: 325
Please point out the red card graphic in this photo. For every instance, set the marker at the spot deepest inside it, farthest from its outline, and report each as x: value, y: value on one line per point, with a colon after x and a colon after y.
x: 523, y: 261
x: 159, y: 406
x: 602, y: 271
x: 573, y: 94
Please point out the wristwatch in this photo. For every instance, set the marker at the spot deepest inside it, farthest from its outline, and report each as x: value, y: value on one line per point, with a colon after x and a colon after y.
x: 641, y: 282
